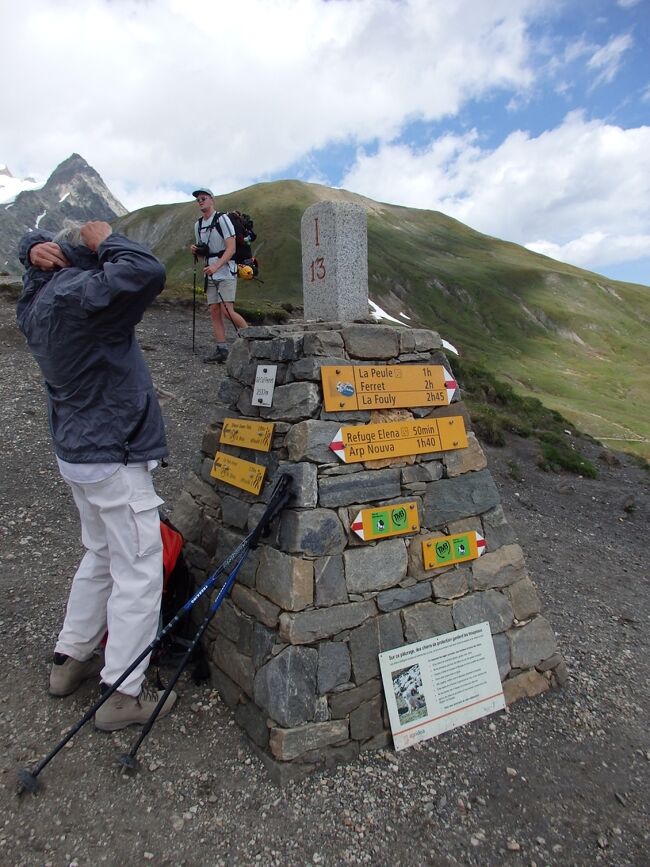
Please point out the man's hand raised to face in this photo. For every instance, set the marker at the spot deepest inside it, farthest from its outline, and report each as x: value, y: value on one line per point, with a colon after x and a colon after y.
x: 47, y: 256
x: 94, y: 232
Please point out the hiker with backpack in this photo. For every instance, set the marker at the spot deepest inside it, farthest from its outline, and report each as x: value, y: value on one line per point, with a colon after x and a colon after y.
x: 215, y: 240
x: 84, y: 291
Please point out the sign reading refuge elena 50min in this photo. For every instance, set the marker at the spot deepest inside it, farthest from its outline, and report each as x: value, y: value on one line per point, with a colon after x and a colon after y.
x: 386, y: 386
x: 369, y: 442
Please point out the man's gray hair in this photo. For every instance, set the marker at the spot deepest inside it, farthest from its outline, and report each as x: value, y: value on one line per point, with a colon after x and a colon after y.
x: 70, y: 234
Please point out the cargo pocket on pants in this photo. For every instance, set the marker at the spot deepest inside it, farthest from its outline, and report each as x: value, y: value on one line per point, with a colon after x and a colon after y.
x: 147, y: 524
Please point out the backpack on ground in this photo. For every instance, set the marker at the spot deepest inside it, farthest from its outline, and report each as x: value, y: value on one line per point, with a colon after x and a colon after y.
x: 178, y: 587
x: 247, y: 264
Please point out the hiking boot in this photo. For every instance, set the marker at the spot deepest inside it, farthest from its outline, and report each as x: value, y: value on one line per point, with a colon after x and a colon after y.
x: 217, y: 356
x: 121, y: 710
x: 67, y: 674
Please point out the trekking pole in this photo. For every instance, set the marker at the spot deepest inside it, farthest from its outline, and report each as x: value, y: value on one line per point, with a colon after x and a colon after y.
x: 229, y: 314
x: 129, y: 759
x: 280, y: 495
x: 283, y: 489
x: 194, y: 305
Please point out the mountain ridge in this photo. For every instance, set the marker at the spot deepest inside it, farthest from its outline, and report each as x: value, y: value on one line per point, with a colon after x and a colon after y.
x: 74, y: 192
x: 570, y: 337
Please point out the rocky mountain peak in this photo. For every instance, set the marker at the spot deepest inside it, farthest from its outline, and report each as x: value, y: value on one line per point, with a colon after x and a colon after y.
x: 75, y: 191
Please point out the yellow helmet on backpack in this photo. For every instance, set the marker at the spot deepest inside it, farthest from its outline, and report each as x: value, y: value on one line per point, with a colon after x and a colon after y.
x: 245, y: 272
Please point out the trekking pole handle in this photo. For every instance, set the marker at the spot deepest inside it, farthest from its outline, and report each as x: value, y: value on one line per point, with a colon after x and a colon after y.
x: 280, y: 496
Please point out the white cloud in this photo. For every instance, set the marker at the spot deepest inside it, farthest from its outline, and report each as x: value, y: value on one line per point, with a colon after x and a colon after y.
x: 596, y: 249
x: 161, y: 96
x: 171, y: 93
x: 550, y: 191
x: 607, y: 59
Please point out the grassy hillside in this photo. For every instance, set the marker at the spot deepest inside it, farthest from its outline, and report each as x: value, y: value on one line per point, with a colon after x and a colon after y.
x: 576, y: 340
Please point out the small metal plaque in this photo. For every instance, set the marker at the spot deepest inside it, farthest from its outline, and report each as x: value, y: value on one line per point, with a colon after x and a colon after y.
x: 264, y: 384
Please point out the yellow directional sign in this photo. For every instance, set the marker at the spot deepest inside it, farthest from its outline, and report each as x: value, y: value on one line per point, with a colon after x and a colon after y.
x: 369, y: 442
x: 248, y: 433
x: 386, y: 386
x: 383, y: 521
x: 440, y: 551
x: 241, y: 474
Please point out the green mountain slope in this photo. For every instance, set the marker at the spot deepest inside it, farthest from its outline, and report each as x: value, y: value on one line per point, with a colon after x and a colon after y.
x: 574, y: 339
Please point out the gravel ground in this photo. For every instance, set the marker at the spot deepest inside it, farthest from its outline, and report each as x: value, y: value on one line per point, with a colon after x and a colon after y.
x: 562, y: 779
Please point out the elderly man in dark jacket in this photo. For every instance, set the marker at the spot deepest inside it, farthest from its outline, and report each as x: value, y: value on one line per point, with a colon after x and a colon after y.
x: 83, y: 293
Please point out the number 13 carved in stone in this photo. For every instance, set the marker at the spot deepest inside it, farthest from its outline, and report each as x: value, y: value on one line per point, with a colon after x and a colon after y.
x: 318, y: 269
x: 317, y: 266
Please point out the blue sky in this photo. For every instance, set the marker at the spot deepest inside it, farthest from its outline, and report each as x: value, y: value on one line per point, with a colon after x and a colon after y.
x: 526, y: 119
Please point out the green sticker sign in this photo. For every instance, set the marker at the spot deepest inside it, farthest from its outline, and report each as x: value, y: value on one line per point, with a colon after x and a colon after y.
x: 387, y: 521
x: 446, y: 550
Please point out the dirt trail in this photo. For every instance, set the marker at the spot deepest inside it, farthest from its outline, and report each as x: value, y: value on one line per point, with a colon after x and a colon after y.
x: 562, y: 779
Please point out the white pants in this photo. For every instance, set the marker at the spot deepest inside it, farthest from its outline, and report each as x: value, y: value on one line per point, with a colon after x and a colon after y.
x: 118, y: 584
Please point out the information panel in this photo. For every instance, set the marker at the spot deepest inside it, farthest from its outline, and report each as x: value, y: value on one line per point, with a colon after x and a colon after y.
x: 383, y: 521
x: 368, y: 442
x: 438, y: 551
x: 440, y: 683
x: 238, y: 473
x: 387, y: 386
x: 264, y: 384
x: 251, y: 434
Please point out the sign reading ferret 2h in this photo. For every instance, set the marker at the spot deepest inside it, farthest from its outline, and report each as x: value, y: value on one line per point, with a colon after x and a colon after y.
x: 386, y: 386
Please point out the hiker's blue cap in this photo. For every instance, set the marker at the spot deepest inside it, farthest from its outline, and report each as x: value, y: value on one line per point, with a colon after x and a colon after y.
x: 203, y: 190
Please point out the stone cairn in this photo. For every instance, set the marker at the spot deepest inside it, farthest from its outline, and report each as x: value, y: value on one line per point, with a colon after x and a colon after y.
x: 293, y: 650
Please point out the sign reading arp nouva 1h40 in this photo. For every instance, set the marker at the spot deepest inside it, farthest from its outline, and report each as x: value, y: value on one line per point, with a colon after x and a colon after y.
x: 368, y: 442
x: 386, y: 386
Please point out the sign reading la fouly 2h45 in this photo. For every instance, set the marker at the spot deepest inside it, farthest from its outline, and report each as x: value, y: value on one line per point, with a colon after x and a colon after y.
x: 368, y: 442
x: 383, y: 521
x: 386, y: 386
x: 439, y: 551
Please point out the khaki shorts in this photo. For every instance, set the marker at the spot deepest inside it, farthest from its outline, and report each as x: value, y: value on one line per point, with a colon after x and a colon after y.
x: 221, y: 290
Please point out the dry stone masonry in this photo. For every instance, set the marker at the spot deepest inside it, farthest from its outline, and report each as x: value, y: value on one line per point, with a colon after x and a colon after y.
x: 294, y: 649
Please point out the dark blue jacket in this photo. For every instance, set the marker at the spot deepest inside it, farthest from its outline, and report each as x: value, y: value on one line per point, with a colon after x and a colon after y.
x: 80, y: 327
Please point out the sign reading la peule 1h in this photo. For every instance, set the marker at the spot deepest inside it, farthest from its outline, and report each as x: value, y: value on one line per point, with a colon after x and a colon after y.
x: 368, y: 442
x: 383, y: 521
x: 439, y: 551
x: 249, y: 433
x: 241, y: 474
x: 387, y: 386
